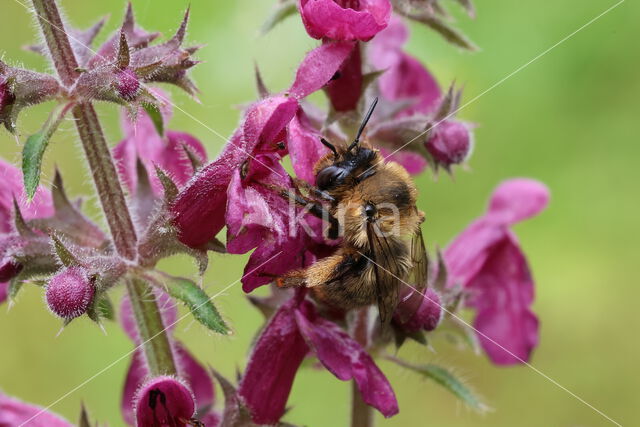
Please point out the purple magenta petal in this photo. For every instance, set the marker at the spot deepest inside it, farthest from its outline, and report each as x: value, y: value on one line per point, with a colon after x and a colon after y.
x: 304, y: 147
x: 319, y: 67
x: 266, y: 120
x: 344, y: 19
x: 487, y: 260
x: 426, y: 316
x: 274, y: 361
x: 136, y: 374
x: 12, y: 187
x: 450, y: 143
x: 345, y: 89
x: 143, y: 142
x: 4, y: 288
x: 518, y: 199
x: 414, y: 163
x: 466, y: 255
x: 405, y: 77
x: 346, y: 359
x: 196, y: 376
x: 502, y: 293
x: 199, y: 209
x: 164, y: 401
x: 15, y: 413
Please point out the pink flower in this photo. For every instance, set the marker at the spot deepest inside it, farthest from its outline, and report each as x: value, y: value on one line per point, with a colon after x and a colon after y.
x: 258, y: 217
x: 69, y: 293
x: 168, y: 153
x: 305, y: 148
x: 293, y: 331
x: 199, y: 210
x: 418, y: 313
x: 191, y: 373
x: 405, y: 77
x: 487, y: 260
x: 346, y: 87
x: 450, y: 143
x: 12, y: 188
x: 41, y: 206
x: 14, y: 412
x: 164, y: 401
x: 406, y: 80
x: 344, y: 19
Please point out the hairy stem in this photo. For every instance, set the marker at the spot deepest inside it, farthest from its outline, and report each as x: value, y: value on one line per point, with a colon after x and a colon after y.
x: 157, y: 347
x: 361, y: 413
x: 57, y: 41
x: 103, y: 171
x: 106, y: 180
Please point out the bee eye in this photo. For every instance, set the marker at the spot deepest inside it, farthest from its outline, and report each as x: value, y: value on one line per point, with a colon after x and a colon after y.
x: 369, y: 210
x: 330, y: 177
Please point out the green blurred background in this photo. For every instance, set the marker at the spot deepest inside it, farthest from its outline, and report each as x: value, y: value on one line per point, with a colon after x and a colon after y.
x: 569, y: 119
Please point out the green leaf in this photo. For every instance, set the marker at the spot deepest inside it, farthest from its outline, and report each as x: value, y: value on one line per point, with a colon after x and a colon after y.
x: 34, y: 149
x: 156, y: 116
x: 193, y: 297
x: 448, y: 380
x: 64, y: 254
x: 282, y: 11
x: 102, y: 309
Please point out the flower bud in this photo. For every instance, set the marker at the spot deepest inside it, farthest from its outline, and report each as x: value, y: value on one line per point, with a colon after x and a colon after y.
x: 450, y: 143
x: 427, y: 316
x: 22, y: 88
x: 9, y: 268
x: 127, y: 84
x: 164, y: 401
x: 69, y: 293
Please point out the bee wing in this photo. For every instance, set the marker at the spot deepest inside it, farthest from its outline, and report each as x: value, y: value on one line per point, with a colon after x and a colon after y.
x: 387, y: 283
x: 418, y: 276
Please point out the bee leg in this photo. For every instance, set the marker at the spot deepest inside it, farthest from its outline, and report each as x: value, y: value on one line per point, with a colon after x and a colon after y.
x: 292, y: 279
x: 313, y: 190
x: 315, y: 208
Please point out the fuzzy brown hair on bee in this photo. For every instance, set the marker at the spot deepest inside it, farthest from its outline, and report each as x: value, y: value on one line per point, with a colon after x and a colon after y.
x: 371, y: 204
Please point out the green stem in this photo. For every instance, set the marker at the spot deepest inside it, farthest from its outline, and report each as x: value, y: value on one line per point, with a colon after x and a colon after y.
x: 103, y: 171
x: 361, y: 413
x: 106, y: 180
x: 157, y: 347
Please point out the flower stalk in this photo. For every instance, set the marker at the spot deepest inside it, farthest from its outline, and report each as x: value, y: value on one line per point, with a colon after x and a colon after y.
x: 361, y: 412
x: 103, y: 171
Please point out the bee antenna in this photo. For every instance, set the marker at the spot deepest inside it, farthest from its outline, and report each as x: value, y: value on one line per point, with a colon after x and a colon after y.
x: 364, y: 124
x: 330, y: 146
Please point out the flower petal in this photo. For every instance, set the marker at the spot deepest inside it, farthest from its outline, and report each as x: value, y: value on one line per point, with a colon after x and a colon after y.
x: 502, y: 295
x: 265, y: 121
x: 198, y: 211
x: 163, y: 401
x: 345, y: 89
x: 405, y: 77
x: 136, y: 374
x: 13, y: 412
x: 168, y: 153
x: 196, y: 376
x: 305, y: 148
x: 319, y: 67
x: 346, y: 359
x: 12, y: 187
x: 344, y: 19
x: 518, y: 199
x: 274, y: 361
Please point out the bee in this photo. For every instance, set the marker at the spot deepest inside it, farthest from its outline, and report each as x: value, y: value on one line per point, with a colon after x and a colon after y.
x: 371, y: 204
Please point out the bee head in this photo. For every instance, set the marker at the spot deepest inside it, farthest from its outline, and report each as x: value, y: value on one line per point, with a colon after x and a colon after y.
x: 350, y: 165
